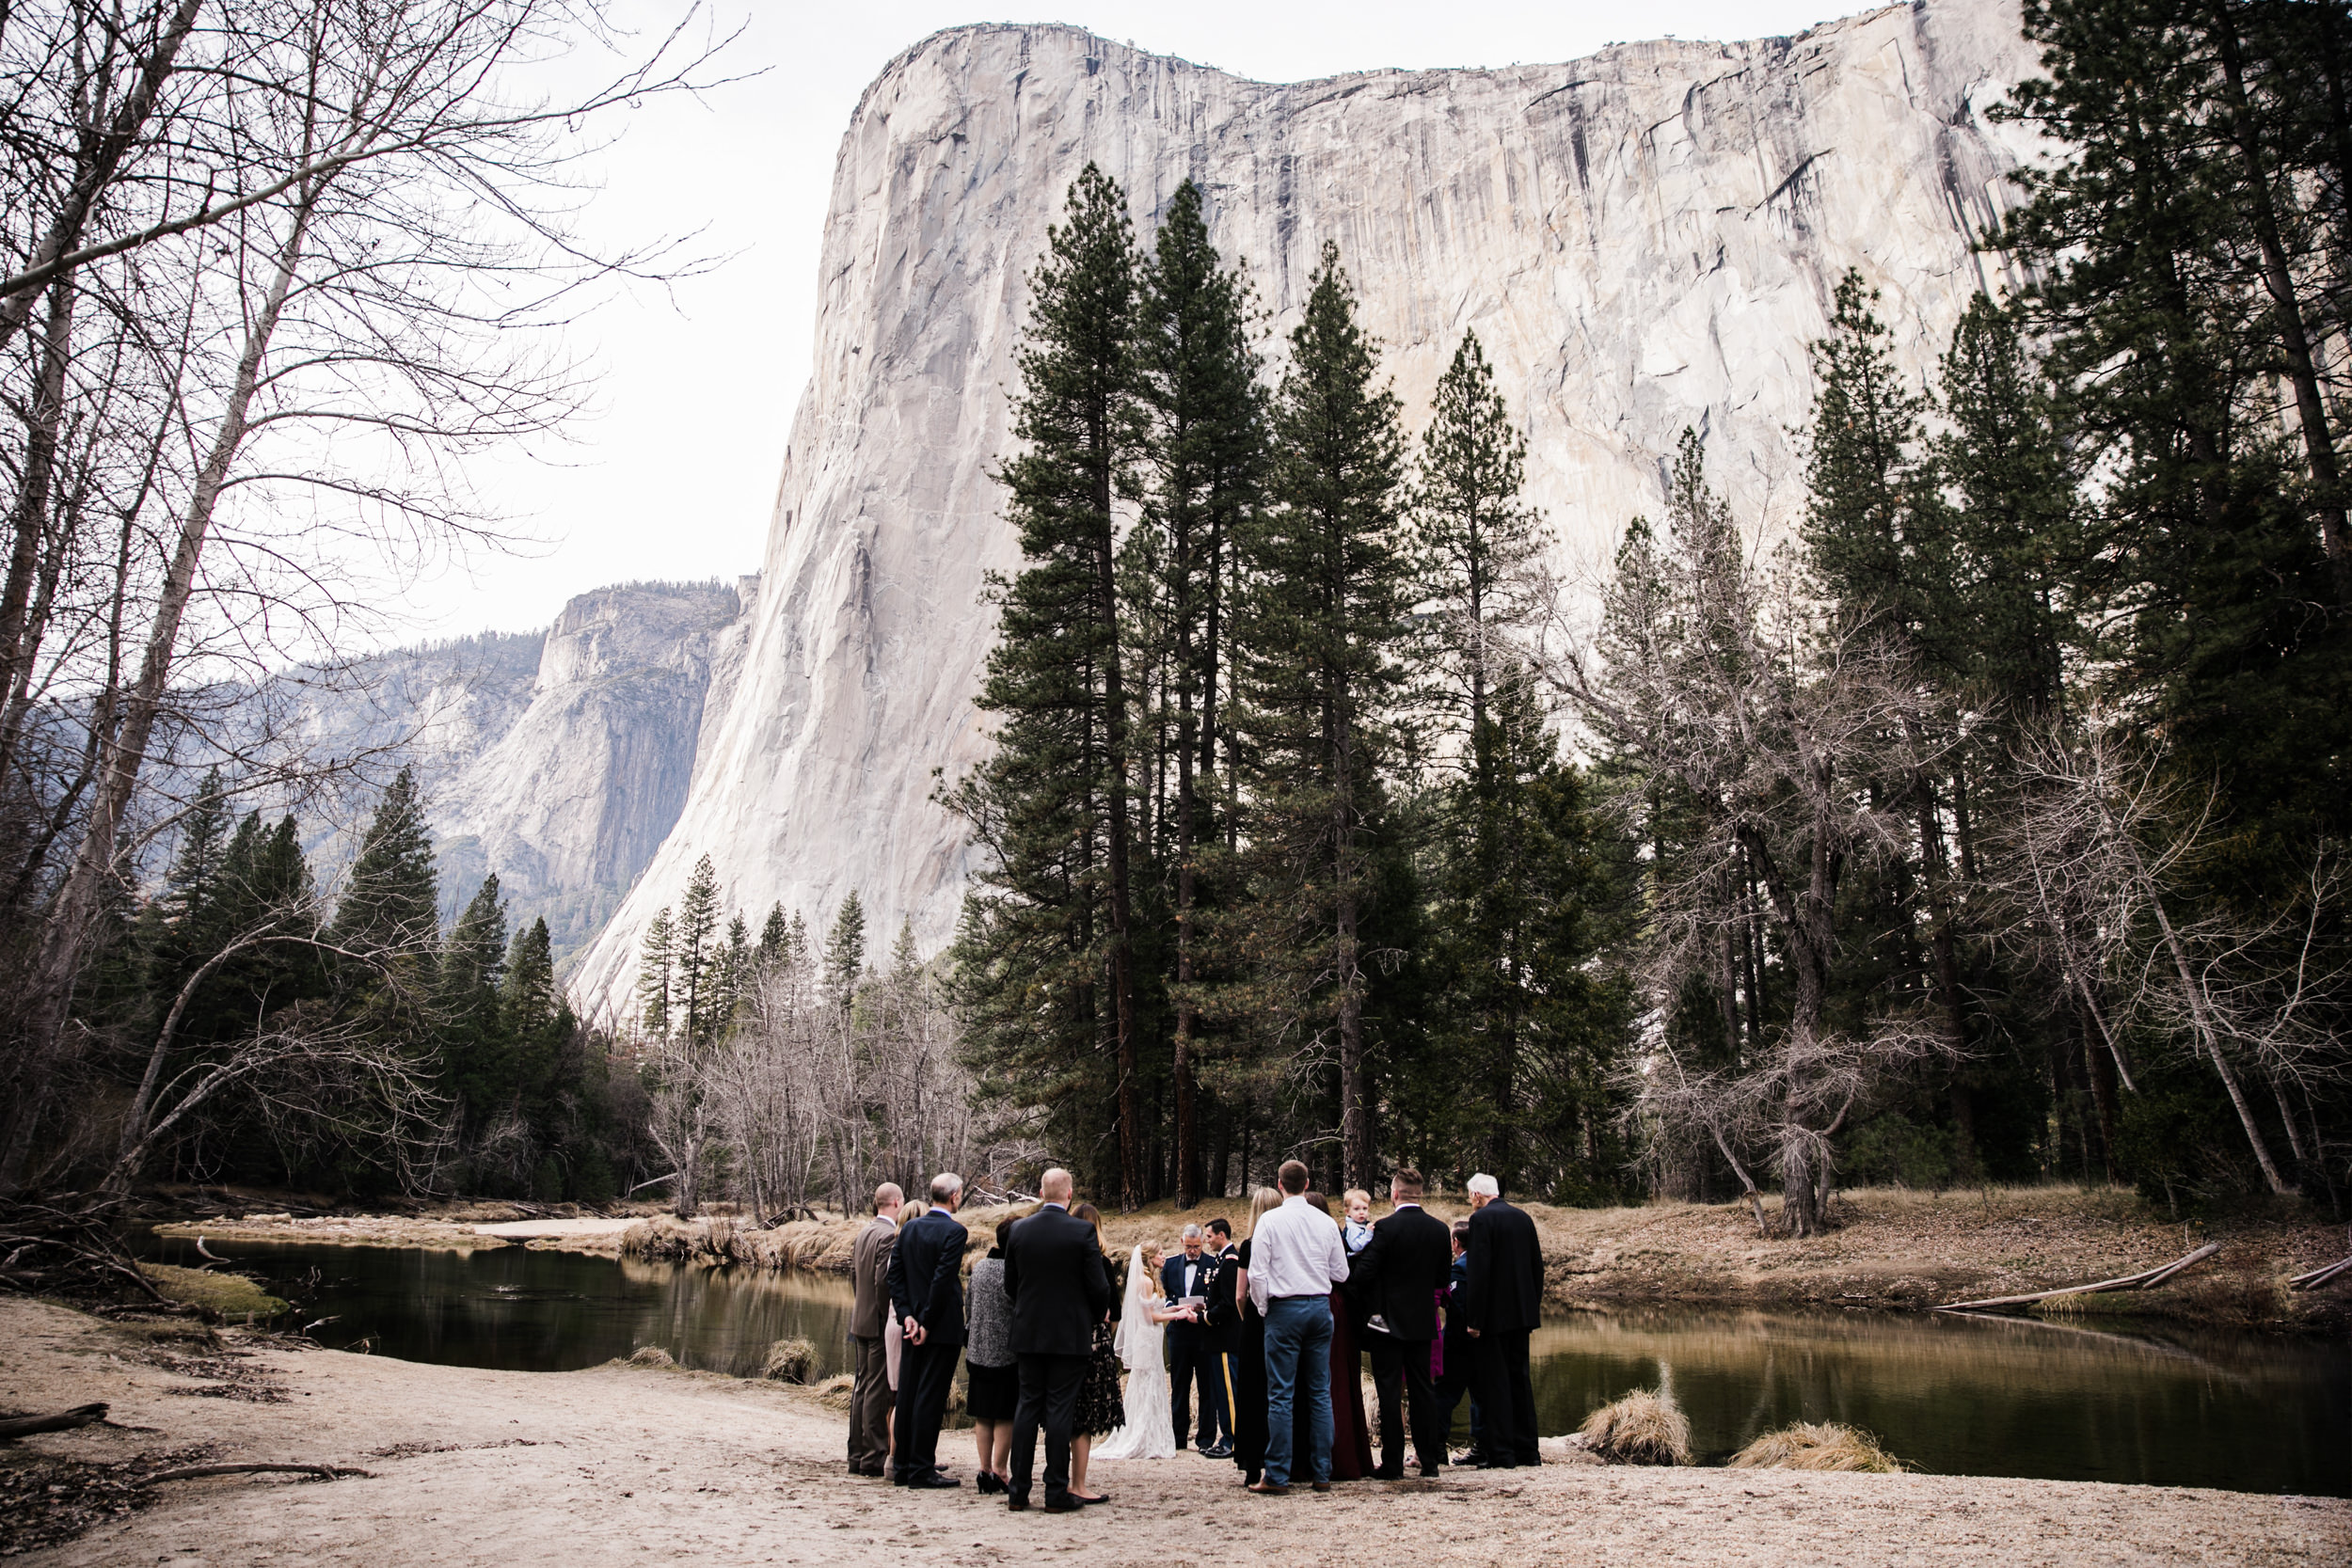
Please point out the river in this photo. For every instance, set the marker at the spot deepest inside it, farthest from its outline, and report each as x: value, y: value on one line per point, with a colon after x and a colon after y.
x: 2077, y: 1400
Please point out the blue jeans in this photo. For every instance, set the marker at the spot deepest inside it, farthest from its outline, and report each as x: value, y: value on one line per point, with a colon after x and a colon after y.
x: 1297, y: 1374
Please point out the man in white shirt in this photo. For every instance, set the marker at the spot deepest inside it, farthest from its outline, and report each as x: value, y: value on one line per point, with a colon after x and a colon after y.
x: 1295, y: 1258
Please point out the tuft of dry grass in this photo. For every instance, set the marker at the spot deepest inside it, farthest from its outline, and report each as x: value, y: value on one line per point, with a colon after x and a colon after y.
x: 232, y: 1295
x: 1817, y: 1445
x: 652, y: 1356
x: 833, y: 1393
x: 1645, y: 1427
x: 789, y: 1361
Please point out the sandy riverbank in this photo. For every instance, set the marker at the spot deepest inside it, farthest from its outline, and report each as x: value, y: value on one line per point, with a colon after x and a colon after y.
x: 622, y: 1465
x: 1892, y: 1250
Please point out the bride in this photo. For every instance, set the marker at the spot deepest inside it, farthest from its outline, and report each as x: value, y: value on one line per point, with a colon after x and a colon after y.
x: 1150, y: 1431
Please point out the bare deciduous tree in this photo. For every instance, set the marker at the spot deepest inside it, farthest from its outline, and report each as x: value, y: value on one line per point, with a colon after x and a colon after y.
x: 1753, y: 731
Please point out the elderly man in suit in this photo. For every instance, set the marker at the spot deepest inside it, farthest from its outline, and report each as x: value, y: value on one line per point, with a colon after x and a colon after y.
x: 870, y: 1314
x: 927, y: 1293
x: 1060, y: 1287
x: 1192, y: 1347
x: 1397, y: 1279
x: 1505, y: 1285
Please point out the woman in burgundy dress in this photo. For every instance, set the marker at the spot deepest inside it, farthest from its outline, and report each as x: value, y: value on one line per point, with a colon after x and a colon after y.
x: 1351, y: 1436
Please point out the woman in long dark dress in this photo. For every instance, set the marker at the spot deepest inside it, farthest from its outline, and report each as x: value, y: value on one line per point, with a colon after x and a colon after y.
x: 1100, y: 1410
x: 1247, y: 1360
x: 1351, y: 1435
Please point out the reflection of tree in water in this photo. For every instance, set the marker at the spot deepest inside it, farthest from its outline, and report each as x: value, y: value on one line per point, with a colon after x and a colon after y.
x: 1996, y: 1397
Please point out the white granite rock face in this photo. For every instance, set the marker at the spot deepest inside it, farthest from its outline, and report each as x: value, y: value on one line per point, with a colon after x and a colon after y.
x: 1644, y: 240
x: 559, y: 760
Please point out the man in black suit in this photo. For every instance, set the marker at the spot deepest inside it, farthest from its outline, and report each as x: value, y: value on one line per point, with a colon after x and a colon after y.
x: 1191, y: 1346
x: 1060, y: 1289
x: 1396, y: 1280
x: 927, y: 1293
x: 1505, y: 1285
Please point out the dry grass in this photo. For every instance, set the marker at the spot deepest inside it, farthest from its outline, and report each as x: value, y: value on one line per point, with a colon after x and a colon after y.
x: 789, y: 1361
x: 1819, y: 1445
x: 1645, y: 1427
x: 232, y: 1295
x: 652, y: 1356
x: 833, y: 1393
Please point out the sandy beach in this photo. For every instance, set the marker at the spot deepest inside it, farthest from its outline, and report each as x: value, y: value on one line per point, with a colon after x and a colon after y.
x: 627, y: 1465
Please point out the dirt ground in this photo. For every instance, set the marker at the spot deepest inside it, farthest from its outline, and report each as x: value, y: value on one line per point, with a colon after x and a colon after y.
x: 622, y: 1465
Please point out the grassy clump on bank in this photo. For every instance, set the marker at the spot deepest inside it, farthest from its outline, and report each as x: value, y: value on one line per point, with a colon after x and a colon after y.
x: 1819, y: 1445
x: 232, y: 1295
x: 1642, y: 1428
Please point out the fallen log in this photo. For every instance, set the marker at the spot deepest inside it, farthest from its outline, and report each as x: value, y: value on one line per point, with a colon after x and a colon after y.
x: 64, y: 1421
x: 2327, y: 1274
x: 192, y: 1472
x: 2139, y: 1281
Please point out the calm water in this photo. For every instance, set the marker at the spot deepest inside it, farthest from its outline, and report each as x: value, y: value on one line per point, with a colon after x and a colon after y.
x: 1961, y: 1396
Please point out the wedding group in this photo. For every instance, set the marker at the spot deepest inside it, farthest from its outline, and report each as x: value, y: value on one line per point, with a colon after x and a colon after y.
x: 1271, y: 1334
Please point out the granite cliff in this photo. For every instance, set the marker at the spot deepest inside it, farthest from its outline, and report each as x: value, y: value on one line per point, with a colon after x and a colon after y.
x: 1644, y: 240
x: 558, y: 759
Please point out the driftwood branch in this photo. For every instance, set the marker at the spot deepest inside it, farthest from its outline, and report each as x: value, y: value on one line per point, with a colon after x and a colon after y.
x: 2139, y: 1281
x: 2327, y: 1274
x: 64, y: 1421
x: 191, y: 1472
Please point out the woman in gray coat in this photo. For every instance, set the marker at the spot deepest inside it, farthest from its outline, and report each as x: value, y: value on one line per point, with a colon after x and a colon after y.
x: 993, y: 1381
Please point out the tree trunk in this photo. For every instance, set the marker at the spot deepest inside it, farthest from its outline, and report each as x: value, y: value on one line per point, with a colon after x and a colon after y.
x: 75, y: 908
x: 2319, y: 447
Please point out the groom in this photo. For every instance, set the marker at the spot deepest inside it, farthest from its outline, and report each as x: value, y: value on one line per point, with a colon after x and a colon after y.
x: 1060, y: 1288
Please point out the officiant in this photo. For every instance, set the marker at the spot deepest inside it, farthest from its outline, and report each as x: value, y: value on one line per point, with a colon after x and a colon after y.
x: 1192, y: 1351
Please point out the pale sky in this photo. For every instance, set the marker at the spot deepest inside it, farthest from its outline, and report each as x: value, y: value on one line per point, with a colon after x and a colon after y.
x: 673, y: 474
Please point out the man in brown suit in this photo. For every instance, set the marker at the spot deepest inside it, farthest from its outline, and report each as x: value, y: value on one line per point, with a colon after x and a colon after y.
x: 870, y: 1313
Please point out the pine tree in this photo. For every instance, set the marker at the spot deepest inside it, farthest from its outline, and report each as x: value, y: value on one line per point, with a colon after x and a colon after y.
x: 1526, y: 1033
x: 1204, y: 454
x: 695, y: 953
x: 477, y: 1052
x: 844, y: 955
x: 2015, y: 518
x: 1873, y: 547
x: 656, y: 975
x: 1050, y: 930
x: 775, y: 939
x: 1475, y: 540
x: 394, y: 899
x: 1322, y: 626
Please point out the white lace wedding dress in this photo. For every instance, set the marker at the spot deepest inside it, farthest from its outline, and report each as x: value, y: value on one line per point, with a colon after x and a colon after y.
x: 1151, y: 1429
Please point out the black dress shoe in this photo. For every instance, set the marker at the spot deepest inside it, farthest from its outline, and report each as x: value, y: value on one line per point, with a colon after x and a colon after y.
x: 1089, y: 1502
x: 1061, y: 1505
x: 1429, y: 1472
x: 1018, y: 1505
x: 1384, y: 1473
x: 931, y: 1484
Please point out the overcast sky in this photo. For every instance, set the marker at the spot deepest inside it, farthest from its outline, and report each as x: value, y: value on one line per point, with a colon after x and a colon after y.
x: 673, y: 474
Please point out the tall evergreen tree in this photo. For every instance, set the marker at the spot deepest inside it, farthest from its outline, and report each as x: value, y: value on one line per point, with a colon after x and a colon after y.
x: 1322, y: 627
x: 1051, y: 931
x: 1527, y: 1032
x: 477, y: 1052
x: 657, y: 975
x: 845, y: 955
x: 393, y: 898
x: 1204, y: 454
x: 1475, y: 538
x: 695, y: 953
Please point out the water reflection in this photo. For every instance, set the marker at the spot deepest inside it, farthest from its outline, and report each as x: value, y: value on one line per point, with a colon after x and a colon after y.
x: 1971, y: 1395
x: 541, y: 1311
x: 1967, y: 1396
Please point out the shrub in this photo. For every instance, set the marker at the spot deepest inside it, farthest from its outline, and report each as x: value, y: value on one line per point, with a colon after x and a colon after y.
x: 1645, y: 1427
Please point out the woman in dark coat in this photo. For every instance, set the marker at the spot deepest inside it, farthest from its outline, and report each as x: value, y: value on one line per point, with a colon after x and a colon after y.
x: 1101, y: 1409
x: 1351, y: 1435
x: 1247, y: 1356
